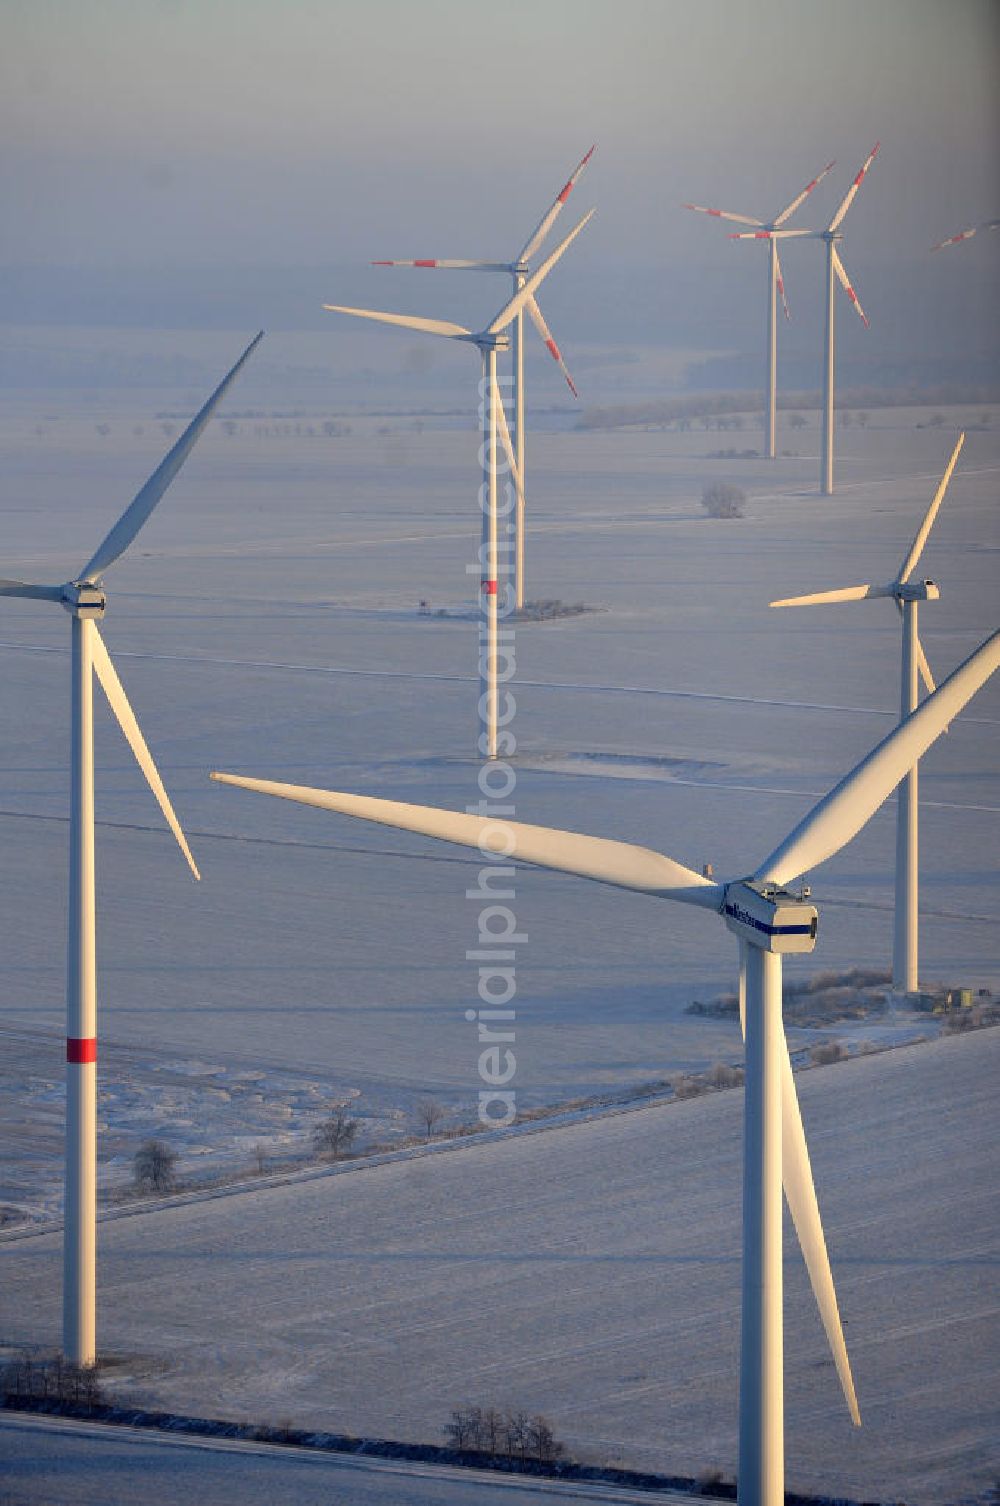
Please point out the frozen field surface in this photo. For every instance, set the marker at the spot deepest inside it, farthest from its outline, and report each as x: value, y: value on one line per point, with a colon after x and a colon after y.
x: 592, y: 1272
x: 266, y: 623
x: 126, y: 1467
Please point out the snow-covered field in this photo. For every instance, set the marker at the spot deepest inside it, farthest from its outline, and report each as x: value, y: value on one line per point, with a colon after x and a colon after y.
x: 97, y: 1466
x: 266, y: 623
x: 592, y: 1272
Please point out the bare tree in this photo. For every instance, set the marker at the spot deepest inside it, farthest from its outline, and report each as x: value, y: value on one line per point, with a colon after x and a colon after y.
x: 797, y: 421
x: 260, y: 1156
x: 516, y: 1426
x: 153, y: 1166
x: 464, y: 1428
x: 541, y: 1442
x: 429, y: 1113
x: 721, y: 500
x: 724, y: 1076
x: 335, y: 1135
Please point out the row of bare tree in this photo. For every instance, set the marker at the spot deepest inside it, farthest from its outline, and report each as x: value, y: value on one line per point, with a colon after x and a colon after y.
x: 509, y: 1435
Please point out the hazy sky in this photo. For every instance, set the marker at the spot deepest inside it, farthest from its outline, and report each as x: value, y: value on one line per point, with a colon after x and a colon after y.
x: 294, y: 130
x: 173, y: 133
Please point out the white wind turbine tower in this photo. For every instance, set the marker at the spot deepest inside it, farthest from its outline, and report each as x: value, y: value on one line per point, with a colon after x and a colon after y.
x: 775, y: 285
x: 519, y: 269
x: 768, y: 921
x: 966, y: 235
x: 834, y: 270
x: 907, y: 594
x: 84, y: 599
x: 489, y: 341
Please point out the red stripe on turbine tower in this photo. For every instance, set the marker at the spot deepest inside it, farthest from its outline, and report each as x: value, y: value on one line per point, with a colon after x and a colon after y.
x: 81, y: 1051
x: 489, y: 587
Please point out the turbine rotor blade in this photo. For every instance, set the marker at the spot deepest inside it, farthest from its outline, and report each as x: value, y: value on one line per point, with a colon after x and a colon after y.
x: 621, y: 864
x: 824, y: 598
x: 723, y: 214
x: 118, y: 701
x: 781, y: 284
x: 506, y: 441
x: 450, y: 265
x: 406, y: 321
x: 790, y: 210
x: 842, y: 813
x: 520, y: 298
x: 966, y: 235
x: 845, y: 282
x: 800, y: 1192
x: 925, y: 669
x: 545, y: 224
x: 539, y: 322
x: 848, y: 198
x: 139, y: 509
x: 916, y: 548
x: 37, y: 593
x: 771, y: 235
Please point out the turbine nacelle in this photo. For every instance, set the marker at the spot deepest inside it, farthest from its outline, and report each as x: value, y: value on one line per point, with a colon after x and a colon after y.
x: 81, y: 598
x: 487, y: 341
x: 916, y: 590
x: 770, y: 917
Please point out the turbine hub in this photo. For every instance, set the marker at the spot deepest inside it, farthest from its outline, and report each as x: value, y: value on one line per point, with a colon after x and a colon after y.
x: 82, y: 599
x: 770, y: 918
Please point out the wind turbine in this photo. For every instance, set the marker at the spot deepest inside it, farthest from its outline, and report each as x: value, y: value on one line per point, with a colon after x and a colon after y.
x: 834, y: 269
x: 775, y: 285
x: 489, y: 341
x: 907, y: 595
x: 84, y: 599
x: 966, y: 235
x: 768, y: 921
x: 519, y: 269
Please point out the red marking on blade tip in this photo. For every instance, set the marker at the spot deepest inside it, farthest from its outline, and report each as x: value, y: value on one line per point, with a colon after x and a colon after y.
x: 489, y: 587
x: 81, y: 1051
x: 425, y: 263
